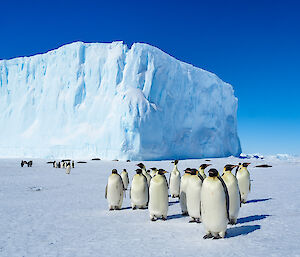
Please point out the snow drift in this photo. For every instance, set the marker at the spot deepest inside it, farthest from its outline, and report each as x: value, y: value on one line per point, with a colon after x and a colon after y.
x: 102, y: 99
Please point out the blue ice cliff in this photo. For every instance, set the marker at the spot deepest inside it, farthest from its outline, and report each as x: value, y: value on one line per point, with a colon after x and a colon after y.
x: 104, y: 100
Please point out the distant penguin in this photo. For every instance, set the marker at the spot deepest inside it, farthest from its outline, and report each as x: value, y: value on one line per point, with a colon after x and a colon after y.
x: 183, y: 188
x: 158, y: 196
x: 193, y: 196
x: 54, y: 164
x: 145, y: 173
x: 114, y: 191
x: 58, y: 165
x: 214, y: 205
x: 125, y: 179
x: 233, y: 192
x: 202, y: 168
x: 243, y: 178
x: 68, y: 169
x: 174, y: 181
x: 139, y: 192
x: 22, y: 163
x: 73, y: 165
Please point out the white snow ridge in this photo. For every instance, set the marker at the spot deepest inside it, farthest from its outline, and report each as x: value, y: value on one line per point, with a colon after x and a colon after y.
x: 103, y: 99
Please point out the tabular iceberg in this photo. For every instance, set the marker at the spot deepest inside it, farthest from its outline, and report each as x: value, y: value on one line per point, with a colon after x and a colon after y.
x: 103, y: 99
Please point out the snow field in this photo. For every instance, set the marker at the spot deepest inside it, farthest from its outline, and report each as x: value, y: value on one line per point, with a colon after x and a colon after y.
x: 45, y: 212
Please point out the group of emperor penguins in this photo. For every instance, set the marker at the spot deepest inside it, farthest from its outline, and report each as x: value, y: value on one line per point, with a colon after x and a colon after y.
x: 64, y: 164
x: 213, y: 200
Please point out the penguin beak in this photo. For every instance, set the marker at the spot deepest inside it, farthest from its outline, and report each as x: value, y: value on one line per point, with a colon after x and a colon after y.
x: 165, y: 171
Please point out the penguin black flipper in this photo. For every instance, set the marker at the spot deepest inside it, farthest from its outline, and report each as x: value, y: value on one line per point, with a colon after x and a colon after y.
x: 166, y: 181
x: 106, y: 192
x: 226, y: 195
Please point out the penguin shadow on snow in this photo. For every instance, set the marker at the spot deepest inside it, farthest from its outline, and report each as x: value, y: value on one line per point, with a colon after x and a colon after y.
x: 242, y: 230
x: 251, y: 218
x: 175, y: 216
x: 171, y: 203
x: 258, y: 200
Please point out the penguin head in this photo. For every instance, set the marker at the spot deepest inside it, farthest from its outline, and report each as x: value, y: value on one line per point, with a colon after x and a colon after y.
x: 175, y: 162
x: 138, y: 171
x: 124, y: 170
x: 161, y: 172
x: 141, y: 165
x: 246, y: 164
x: 194, y: 172
x: 213, y: 173
x: 204, y: 166
x: 187, y: 170
x: 229, y: 167
x: 155, y: 169
x: 114, y: 171
x: 148, y: 171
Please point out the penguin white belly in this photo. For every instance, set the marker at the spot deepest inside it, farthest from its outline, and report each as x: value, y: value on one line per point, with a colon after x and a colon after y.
x: 183, y: 187
x: 243, y: 178
x: 175, y: 184
x: 213, y: 207
x: 234, y: 196
x: 158, y: 197
x: 115, y: 191
x: 193, y: 197
x: 68, y: 169
x: 139, y: 192
x: 125, y: 179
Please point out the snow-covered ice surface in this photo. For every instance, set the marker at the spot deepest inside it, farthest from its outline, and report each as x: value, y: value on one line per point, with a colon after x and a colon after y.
x: 106, y: 100
x: 45, y: 212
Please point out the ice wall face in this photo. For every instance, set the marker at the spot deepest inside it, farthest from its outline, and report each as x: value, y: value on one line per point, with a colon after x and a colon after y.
x: 105, y: 100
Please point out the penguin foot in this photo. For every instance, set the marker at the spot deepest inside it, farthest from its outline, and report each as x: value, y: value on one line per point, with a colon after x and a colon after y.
x: 133, y: 207
x: 232, y: 222
x: 217, y: 237
x: 192, y: 221
x: 154, y: 219
x: 144, y: 207
x: 111, y: 209
x: 198, y: 221
x: 184, y: 214
x: 208, y: 236
x: 163, y: 218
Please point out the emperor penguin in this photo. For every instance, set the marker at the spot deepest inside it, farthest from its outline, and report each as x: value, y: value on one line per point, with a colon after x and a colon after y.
x: 183, y: 187
x: 145, y: 173
x: 125, y: 179
x: 55, y: 164
x: 73, y: 165
x: 214, y: 205
x: 114, y: 191
x: 139, y: 192
x: 243, y: 178
x: 233, y: 192
x: 174, y: 181
x: 193, y: 196
x: 68, y: 169
x: 58, y: 165
x: 22, y: 163
x: 202, y: 168
x: 153, y: 172
x: 158, y: 196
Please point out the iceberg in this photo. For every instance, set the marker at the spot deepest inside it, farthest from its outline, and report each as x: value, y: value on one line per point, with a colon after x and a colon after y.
x: 106, y: 100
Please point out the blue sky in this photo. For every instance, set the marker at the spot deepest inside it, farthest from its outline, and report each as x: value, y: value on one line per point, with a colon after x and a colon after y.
x: 253, y: 45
